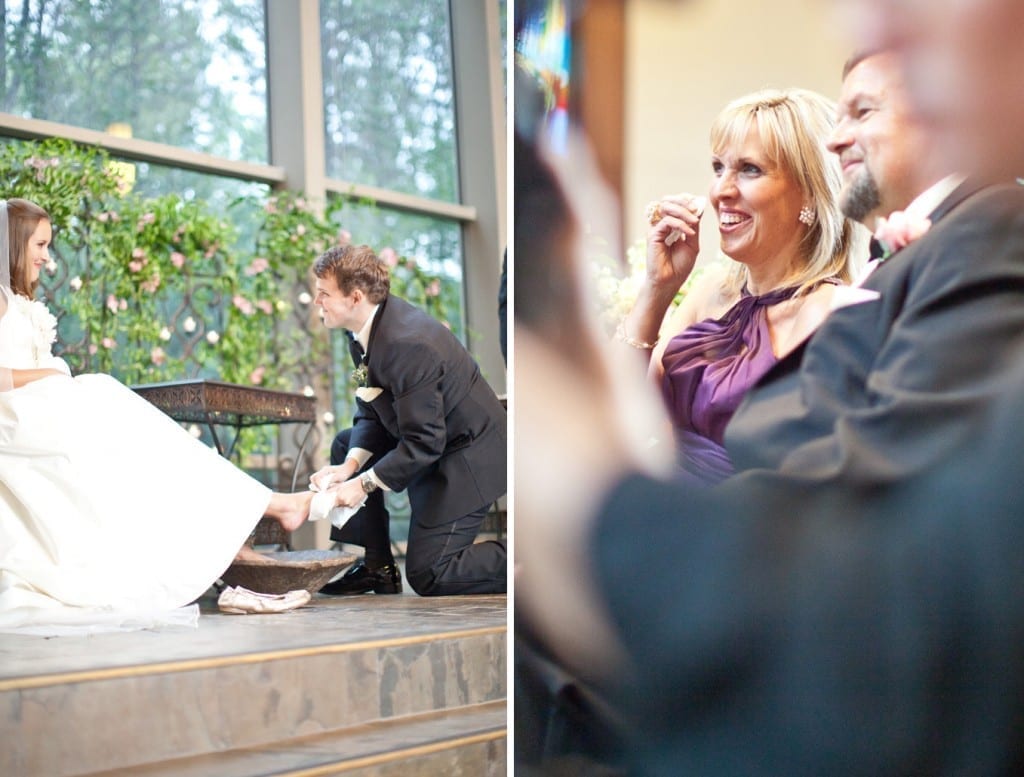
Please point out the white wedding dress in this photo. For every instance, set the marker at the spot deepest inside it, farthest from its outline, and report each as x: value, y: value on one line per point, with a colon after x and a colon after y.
x: 111, y: 515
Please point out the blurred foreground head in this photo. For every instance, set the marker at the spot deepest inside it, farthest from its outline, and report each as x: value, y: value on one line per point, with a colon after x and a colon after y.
x: 964, y: 66
x: 553, y: 295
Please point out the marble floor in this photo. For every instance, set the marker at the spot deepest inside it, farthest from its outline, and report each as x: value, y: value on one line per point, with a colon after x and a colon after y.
x: 389, y: 683
x: 326, y: 621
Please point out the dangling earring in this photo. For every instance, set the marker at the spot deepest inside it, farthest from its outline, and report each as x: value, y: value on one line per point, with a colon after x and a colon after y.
x: 806, y: 215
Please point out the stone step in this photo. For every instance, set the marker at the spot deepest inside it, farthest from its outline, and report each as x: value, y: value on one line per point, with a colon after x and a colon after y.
x: 467, y: 740
x: 79, y: 705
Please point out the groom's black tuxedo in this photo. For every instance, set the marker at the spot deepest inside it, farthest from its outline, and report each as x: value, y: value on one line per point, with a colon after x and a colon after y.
x: 438, y: 431
x: 848, y: 604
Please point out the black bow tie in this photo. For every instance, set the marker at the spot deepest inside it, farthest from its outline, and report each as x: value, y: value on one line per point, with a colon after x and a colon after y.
x: 876, y: 249
x: 355, y: 349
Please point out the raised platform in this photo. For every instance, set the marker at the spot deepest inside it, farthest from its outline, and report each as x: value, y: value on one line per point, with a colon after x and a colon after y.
x: 363, y: 685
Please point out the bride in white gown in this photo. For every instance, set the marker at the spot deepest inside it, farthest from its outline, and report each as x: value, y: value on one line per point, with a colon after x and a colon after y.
x: 111, y: 514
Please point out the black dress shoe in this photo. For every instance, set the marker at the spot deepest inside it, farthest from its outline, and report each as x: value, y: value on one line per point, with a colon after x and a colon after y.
x: 361, y: 579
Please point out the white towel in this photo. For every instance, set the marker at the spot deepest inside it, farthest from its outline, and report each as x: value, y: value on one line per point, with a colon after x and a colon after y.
x: 323, y: 506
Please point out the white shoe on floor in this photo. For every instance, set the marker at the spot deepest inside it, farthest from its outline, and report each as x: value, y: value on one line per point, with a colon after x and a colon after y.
x: 241, y: 601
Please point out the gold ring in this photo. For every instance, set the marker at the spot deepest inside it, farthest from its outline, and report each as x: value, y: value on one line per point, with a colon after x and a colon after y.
x: 653, y: 212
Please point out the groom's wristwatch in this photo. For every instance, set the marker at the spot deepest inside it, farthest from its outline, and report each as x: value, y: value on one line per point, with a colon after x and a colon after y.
x: 368, y: 483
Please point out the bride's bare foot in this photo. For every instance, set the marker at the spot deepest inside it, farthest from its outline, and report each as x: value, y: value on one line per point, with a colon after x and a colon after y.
x: 290, y: 510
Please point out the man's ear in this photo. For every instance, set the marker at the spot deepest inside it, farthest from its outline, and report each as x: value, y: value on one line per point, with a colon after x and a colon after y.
x: 358, y: 295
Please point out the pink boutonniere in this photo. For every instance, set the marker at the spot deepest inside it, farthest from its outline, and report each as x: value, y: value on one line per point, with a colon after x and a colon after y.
x: 898, y: 231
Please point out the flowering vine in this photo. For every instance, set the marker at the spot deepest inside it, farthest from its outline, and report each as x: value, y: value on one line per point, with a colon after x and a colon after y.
x: 162, y: 288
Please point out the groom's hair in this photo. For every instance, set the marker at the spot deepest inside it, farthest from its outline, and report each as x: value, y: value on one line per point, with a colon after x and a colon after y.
x: 355, y: 267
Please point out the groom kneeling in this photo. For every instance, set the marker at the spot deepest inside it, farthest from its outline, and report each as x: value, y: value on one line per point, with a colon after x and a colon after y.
x: 426, y: 422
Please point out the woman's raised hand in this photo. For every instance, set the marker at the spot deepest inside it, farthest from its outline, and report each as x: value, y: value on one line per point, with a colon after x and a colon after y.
x: 673, y: 239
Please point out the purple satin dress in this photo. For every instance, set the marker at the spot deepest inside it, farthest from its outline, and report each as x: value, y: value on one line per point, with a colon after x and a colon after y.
x: 709, y: 368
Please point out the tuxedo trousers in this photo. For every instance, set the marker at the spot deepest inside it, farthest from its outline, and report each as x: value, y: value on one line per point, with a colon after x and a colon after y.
x: 442, y: 558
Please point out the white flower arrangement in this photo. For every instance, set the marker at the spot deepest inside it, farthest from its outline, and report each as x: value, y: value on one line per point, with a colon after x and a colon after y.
x: 44, y: 325
x: 617, y: 289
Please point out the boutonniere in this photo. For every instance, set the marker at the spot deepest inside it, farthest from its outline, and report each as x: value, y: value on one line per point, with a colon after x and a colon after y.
x: 368, y: 393
x: 898, y: 231
x: 360, y: 375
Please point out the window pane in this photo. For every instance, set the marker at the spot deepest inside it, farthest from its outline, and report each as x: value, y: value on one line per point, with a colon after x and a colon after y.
x: 388, y: 95
x: 502, y: 28
x: 152, y: 180
x: 186, y: 73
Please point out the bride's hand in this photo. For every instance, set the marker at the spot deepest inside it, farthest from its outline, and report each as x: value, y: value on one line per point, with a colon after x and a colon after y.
x: 673, y: 239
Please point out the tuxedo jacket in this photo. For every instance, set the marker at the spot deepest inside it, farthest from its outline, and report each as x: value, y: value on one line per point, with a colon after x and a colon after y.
x: 852, y: 602
x: 438, y: 426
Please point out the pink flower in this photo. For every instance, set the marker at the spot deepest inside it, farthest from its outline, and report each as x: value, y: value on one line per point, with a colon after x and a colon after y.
x: 389, y: 256
x: 178, y: 259
x: 138, y: 260
x: 151, y: 285
x: 108, y: 342
x: 258, y: 265
x: 265, y: 306
x: 899, y: 230
x: 41, y: 164
x: 344, y: 237
x: 433, y: 289
x: 111, y: 303
x: 157, y: 356
x: 256, y: 376
x: 243, y: 305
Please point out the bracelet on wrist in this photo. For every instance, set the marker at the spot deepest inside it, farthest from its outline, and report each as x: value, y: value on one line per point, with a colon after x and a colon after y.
x: 368, y: 483
x: 622, y: 337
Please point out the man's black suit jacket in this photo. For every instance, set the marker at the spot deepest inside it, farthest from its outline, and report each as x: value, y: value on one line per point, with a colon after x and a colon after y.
x: 853, y: 603
x: 887, y: 387
x: 438, y: 425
